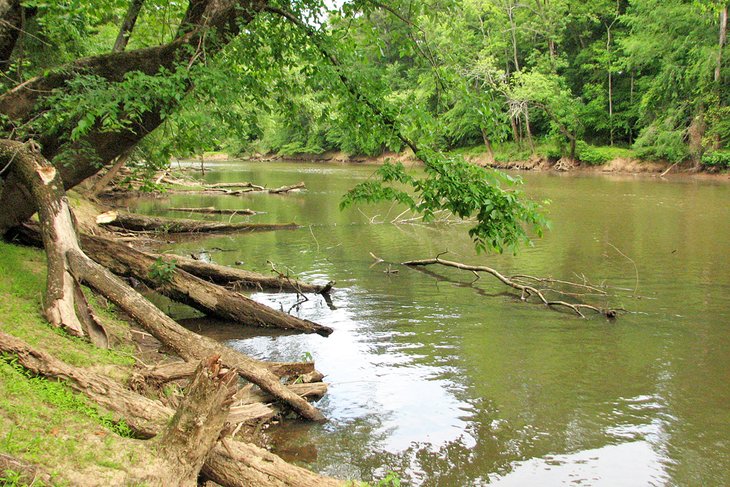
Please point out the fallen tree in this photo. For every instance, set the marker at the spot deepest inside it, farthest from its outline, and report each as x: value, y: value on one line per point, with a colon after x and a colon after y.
x: 140, y: 223
x: 241, y: 279
x: 212, y: 210
x: 183, y: 287
x: 527, y: 290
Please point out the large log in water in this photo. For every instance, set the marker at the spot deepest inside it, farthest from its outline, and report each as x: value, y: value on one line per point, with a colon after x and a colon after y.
x: 210, y: 298
x: 140, y: 223
x: 235, y: 464
x: 242, y: 279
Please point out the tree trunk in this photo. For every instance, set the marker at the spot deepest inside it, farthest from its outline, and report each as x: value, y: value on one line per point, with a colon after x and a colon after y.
x: 23, y: 103
x: 11, y: 25
x: 721, y: 43
x: 107, y: 178
x: 197, y: 424
x: 145, y: 417
x: 241, y: 279
x: 141, y: 223
x: 488, y: 145
x: 64, y: 303
x: 125, y: 31
x: 210, y: 298
x: 188, y: 345
x: 212, y: 210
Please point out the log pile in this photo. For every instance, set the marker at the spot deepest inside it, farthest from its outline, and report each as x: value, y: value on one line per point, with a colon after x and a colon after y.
x: 195, y: 438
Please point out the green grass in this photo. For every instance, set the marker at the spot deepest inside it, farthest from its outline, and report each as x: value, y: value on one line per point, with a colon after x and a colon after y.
x: 43, y: 421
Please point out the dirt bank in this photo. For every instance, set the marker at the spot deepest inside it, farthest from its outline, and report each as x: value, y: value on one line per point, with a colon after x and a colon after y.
x: 620, y: 165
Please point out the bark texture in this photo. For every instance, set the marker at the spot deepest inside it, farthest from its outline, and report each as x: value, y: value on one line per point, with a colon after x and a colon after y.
x: 197, y: 423
x: 64, y: 304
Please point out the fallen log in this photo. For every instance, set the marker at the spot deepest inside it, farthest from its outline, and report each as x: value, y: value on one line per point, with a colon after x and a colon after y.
x: 245, y: 184
x: 526, y: 290
x: 286, y: 189
x: 212, y: 210
x: 140, y: 223
x: 210, y: 298
x: 185, y: 442
x: 235, y: 464
x: 162, y: 374
x: 242, y: 279
x: 145, y: 417
x: 29, y: 235
x: 188, y: 345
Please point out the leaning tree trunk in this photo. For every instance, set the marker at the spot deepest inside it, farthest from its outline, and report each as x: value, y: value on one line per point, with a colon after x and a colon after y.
x: 67, y: 265
x: 64, y: 303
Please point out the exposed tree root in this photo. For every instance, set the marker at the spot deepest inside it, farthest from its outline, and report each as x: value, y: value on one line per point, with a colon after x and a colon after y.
x: 140, y: 223
x: 526, y: 290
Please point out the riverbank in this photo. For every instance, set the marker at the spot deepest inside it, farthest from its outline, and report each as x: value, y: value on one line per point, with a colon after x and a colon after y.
x: 509, y: 157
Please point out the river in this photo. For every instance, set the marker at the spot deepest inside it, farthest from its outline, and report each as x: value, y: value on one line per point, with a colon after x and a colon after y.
x: 451, y: 383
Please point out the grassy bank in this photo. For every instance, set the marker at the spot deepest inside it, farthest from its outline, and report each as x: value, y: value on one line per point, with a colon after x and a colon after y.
x: 44, y: 422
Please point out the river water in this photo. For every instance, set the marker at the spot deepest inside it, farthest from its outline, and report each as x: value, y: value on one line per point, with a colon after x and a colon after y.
x: 452, y: 383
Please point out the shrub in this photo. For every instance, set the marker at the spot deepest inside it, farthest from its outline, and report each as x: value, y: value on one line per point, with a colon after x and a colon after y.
x: 719, y: 159
x: 662, y: 142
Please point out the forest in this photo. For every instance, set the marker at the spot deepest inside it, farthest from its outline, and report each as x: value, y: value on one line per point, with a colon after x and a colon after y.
x: 459, y: 209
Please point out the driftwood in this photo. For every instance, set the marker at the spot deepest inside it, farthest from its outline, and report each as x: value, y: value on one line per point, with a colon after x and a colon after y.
x: 525, y: 289
x: 225, y: 189
x: 241, y: 279
x: 286, y: 189
x: 212, y: 210
x: 205, y: 296
x: 229, y: 462
x: 140, y: 223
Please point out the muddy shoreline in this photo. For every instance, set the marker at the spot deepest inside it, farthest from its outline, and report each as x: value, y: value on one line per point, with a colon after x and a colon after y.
x: 619, y: 166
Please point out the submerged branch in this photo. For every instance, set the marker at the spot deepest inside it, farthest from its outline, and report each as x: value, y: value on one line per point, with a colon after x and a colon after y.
x: 525, y: 289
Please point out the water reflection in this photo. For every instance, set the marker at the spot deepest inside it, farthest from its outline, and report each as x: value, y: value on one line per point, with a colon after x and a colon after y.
x: 454, y: 386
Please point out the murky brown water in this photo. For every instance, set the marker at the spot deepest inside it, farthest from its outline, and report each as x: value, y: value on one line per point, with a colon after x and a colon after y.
x: 452, y: 384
